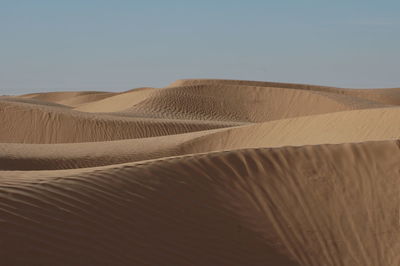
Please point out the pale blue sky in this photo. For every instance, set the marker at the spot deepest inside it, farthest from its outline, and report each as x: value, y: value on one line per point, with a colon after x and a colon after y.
x: 118, y: 45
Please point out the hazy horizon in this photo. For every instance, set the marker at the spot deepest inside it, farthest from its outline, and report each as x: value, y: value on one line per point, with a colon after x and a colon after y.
x: 120, y: 45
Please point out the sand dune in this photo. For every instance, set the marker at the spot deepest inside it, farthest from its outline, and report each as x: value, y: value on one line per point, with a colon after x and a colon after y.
x: 32, y: 123
x: 386, y: 96
x: 342, y: 127
x: 242, y: 103
x: 201, y: 172
x: 72, y: 99
x: 117, y: 102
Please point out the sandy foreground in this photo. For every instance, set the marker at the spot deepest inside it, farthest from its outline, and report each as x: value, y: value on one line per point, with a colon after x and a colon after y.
x: 201, y: 172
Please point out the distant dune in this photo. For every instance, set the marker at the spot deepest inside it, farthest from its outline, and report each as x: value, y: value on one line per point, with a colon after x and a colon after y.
x: 201, y: 172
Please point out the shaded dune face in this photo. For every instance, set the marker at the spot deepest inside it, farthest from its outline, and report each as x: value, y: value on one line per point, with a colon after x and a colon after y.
x: 311, y: 205
x: 202, y: 172
x: 40, y: 124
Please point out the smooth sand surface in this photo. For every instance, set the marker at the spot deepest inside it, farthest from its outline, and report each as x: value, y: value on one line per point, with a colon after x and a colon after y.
x: 201, y: 172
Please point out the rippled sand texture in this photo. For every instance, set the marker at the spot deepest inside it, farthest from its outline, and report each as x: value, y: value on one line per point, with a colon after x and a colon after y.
x: 201, y: 172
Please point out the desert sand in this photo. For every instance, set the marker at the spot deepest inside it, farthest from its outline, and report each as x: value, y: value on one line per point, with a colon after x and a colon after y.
x: 201, y: 172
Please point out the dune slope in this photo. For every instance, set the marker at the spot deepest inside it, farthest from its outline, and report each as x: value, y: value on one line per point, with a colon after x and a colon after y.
x: 312, y: 205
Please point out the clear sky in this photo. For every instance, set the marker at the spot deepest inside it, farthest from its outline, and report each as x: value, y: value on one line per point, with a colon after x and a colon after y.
x: 118, y: 45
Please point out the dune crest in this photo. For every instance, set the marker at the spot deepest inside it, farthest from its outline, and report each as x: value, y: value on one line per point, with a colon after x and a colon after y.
x: 201, y: 172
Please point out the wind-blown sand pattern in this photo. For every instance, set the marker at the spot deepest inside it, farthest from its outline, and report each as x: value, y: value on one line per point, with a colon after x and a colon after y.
x: 201, y: 172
